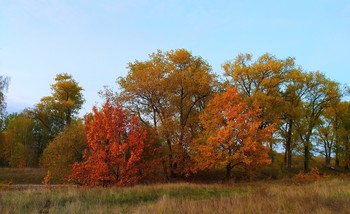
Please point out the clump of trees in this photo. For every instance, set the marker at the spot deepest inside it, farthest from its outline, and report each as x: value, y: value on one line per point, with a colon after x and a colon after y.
x: 18, y: 147
x: 174, y: 118
x: 27, y: 135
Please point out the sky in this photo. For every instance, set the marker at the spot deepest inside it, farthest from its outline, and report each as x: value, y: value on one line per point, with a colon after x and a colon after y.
x: 95, y: 40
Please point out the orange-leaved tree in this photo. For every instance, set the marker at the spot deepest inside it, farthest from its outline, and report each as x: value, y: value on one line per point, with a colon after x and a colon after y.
x: 119, y: 149
x: 233, y: 134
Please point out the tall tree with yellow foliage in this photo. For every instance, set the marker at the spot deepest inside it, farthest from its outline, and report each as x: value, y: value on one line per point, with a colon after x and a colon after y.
x: 168, y: 91
x: 264, y: 80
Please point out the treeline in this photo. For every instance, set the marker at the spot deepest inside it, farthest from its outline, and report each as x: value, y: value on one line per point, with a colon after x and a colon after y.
x: 173, y: 117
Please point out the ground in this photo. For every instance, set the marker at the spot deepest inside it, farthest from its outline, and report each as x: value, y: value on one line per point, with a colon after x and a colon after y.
x: 330, y: 195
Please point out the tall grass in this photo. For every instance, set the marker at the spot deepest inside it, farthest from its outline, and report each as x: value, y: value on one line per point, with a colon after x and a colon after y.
x: 319, y: 197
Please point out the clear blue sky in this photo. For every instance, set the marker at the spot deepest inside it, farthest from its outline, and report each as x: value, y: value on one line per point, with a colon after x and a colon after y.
x: 94, y: 40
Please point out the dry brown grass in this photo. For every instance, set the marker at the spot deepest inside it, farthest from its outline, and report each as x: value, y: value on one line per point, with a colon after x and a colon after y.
x: 319, y: 197
x: 324, y: 196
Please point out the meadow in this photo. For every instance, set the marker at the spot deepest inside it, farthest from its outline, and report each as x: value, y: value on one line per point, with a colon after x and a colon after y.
x: 283, y: 196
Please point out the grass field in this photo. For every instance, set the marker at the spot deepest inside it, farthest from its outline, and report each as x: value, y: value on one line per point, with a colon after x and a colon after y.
x: 327, y: 196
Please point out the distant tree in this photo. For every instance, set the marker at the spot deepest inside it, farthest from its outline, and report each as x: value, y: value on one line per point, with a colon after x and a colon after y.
x: 18, y: 144
x: 4, y: 83
x: 67, y: 97
x: 118, y: 151
x: 65, y: 101
x: 66, y: 149
x: 3, y: 161
x: 233, y: 135
x: 331, y: 132
x: 55, y: 112
x: 342, y: 143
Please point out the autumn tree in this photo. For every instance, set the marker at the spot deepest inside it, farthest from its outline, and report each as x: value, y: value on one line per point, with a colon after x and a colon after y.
x: 296, y: 88
x: 66, y: 149
x: 346, y: 139
x: 18, y: 146
x: 331, y: 131
x: 118, y: 151
x: 168, y: 91
x: 66, y: 99
x: 55, y: 112
x: 233, y: 134
x: 326, y: 139
x: 321, y: 93
x: 340, y: 118
x: 263, y: 80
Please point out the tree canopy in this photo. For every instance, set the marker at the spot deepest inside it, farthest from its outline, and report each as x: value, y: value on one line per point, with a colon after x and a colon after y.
x: 174, y: 118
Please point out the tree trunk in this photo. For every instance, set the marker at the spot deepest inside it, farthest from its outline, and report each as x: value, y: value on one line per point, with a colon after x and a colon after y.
x: 328, y: 156
x: 165, y: 170
x: 285, y: 157
x: 347, y: 156
x: 170, y: 156
x: 328, y: 161
x: 288, y: 151
x: 336, y: 151
x: 289, y: 166
x: 228, y: 171
x: 272, y: 154
x: 337, y: 162
x: 306, y: 157
x: 289, y: 146
x: 155, y: 120
x: 68, y: 117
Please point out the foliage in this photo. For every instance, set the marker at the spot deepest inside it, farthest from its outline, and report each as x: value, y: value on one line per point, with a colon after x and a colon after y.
x: 296, y: 87
x: 313, y: 175
x: 321, y: 94
x: 67, y: 97
x: 192, y: 120
x: 55, y: 112
x: 168, y: 91
x: 234, y: 132
x: 18, y: 146
x: 60, y: 155
x: 266, y: 80
x: 331, y: 130
x: 262, y: 80
x: 292, y: 99
x: 118, y: 149
x: 64, y: 103
x: 342, y: 129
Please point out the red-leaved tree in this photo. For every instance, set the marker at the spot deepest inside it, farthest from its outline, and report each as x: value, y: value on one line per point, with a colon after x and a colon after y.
x: 233, y: 135
x: 119, y: 149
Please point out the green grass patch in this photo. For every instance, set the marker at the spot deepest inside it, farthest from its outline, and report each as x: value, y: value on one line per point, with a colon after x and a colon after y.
x: 122, y: 199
